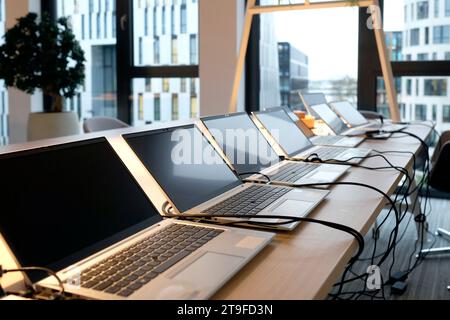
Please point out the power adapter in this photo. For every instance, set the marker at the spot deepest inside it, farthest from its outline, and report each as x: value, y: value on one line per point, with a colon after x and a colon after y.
x: 399, y: 276
x: 399, y: 288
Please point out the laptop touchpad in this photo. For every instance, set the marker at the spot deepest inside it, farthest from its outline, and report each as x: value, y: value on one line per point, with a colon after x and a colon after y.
x: 210, y: 268
x: 293, y: 208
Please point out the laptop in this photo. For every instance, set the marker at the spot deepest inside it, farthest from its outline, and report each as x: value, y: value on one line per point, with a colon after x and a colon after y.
x: 247, y: 151
x: 294, y: 145
x: 77, y: 210
x: 338, y: 141
x: 356, y: 120
x: 196, y: 180
x: 312, y: 99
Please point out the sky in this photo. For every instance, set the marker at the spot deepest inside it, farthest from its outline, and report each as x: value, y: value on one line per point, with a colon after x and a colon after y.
x: 330, y: 37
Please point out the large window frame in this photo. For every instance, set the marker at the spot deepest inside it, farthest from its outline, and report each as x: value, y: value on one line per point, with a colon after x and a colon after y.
x: 126, y: 69
x: 369, y: 68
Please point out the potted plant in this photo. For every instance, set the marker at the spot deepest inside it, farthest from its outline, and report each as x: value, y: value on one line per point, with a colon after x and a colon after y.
x: 44, y: 55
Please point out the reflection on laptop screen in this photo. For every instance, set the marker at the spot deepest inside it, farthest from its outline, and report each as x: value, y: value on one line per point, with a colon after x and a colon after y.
x: 62, y: 204
x: 330, y: 118
x: 284, y: 131
x: 242, y: 142
x: 349, y: 113
x: 186, y: 166
x: 312, y: 99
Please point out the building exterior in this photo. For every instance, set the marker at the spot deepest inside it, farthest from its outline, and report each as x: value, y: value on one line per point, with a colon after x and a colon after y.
x: 426, y: 36
x: 3, y: 90
x: 165, y: 33
x: 293, y: 73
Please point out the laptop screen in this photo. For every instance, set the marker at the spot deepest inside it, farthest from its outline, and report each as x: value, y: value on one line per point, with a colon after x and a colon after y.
x: 312, y: 99
x: 186, y: 166
x: 284, y: 131
x: 330, y: 118
x: 242, y: 142
x: 62, y: 204
x: 349, y: 113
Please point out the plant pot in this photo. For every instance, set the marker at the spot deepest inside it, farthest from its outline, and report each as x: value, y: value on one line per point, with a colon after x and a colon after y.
x: 52, y: 125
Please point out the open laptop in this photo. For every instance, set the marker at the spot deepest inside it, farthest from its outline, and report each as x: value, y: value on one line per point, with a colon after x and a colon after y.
x: 196, y: 180
x: 357, y: 121
x: 312, y: 99
x: 337, y: 141
x: 77, y: 210
x: 292, y: 143
x: 248, y: 151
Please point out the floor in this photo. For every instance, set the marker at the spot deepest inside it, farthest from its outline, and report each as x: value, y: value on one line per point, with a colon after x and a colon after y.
x: 430, y: 278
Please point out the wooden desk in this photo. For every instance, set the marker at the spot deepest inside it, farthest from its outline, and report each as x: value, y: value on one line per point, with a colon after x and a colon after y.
x: 305, y: 263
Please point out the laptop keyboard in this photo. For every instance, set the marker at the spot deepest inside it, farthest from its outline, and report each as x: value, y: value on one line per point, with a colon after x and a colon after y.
x: 129, y: 270
x: 325, y: 153
x: 292, y: 171
x: 248, y: 202
x: 327, y: 140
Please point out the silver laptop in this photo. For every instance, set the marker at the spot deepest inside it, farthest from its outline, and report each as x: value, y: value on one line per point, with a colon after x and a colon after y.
x: 77, y: 210
x: 196, y: 180
x: 292, y: 143
x: 337, y: 141
x: 357, y: 121
x: 312, y: 99
x: 248, y: 151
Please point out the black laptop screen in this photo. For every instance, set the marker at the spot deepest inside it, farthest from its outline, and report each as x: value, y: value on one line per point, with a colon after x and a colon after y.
x: 185, y: 165
x: 285, y: 131
x: 330, y: 118
x: 62, y: 204
x: 242, y: 142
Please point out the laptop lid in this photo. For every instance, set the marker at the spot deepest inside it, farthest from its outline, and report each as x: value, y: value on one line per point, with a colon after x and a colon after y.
x: 186, y: 166
x: 242, y: 142
x: 349, y: 113
x: 330, y: 118
x: 308, y: 132
x: 288, y: 135
x: 312, y: 99
x: 64, y: 203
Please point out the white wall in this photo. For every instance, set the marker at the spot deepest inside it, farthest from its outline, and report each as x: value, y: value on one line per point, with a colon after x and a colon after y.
x: 220, y: 32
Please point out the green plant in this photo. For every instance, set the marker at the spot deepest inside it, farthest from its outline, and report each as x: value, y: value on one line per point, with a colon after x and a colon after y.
x: 42, y: 55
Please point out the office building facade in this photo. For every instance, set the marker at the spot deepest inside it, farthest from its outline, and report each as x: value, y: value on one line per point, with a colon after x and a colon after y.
x: 293, y: 73
x: 164, y: 33
x: 426, y: 36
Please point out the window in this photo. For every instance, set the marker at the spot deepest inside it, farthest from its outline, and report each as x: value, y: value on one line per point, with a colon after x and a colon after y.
x: 194, y: 107
x: 421, y: 112
x: 415, y: 37
x: 175, y: 107
x: 436, y: 8
x: 441, y: 34
x: 99, y: 95
x: 157, y: 108
x: 435, y: 87
x: 434, y: 112
x: 409, y: 87
x: 168, y: 52
x: 422, y: 10
x: 141, y: 106
x: 447, y: 8
x: 422, y: 56
x: 193, y: 49
x: 174, y: 50
x: 183, y: 19
x: 446, y: 113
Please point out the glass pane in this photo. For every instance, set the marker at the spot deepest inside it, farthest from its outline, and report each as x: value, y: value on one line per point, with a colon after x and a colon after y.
x: 420, y: 98
x: 3, y: 90
x: 418, y: 30
x: 165, y: 99
x: 165, y: 32
x: 93, y: 23
x: 310, y: 56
